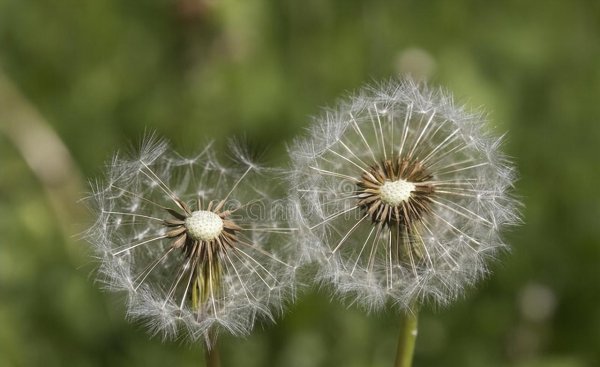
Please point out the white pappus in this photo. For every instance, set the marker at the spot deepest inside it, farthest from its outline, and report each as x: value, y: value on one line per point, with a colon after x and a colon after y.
x: 401, y: 196
x: 192, y: 241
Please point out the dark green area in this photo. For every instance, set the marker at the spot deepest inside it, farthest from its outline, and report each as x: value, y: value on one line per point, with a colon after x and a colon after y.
x: 101, y: 72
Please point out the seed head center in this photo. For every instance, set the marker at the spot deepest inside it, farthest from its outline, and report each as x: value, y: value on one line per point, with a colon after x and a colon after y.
x: 204, y: 225
x: 395, y: 192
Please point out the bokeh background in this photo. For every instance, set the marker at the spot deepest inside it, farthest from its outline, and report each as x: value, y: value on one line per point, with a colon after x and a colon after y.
x: 82, y: 78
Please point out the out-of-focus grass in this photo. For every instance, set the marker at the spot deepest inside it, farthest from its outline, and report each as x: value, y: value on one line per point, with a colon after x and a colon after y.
x: 100, y: 72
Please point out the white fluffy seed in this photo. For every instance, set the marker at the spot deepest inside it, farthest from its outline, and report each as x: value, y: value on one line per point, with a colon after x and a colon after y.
x: 203, y: 225
x: 395, y: 192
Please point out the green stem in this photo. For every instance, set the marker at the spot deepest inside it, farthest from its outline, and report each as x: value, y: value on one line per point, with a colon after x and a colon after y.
x: 213, y: 358
x: 407, y: 339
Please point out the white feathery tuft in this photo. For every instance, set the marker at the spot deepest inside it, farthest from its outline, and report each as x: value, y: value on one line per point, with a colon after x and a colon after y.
x: 129, y: 236
x: 442, y: 243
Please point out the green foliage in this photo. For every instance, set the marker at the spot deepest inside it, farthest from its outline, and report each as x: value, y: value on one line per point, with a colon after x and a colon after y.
x: 100, y: 72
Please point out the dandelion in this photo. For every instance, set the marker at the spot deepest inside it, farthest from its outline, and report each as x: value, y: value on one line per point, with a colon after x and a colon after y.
x: 191, y: 241
x: 401, y: 195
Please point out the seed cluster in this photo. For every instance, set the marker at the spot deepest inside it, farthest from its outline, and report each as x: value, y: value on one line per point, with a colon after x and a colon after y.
x: 395, y: 192
x: 203, y: 235
x: 204, y: 225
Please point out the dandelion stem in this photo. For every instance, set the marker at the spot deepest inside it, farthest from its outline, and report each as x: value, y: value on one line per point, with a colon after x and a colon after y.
x: 407, y: 339
x: 213, y: 359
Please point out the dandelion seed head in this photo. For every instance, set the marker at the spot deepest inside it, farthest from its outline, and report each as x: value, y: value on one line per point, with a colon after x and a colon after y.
x: 191, y: 241
x: 401, y: 195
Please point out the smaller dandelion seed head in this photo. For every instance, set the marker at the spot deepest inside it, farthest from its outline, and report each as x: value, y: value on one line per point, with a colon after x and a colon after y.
x: 178, y: 235
x: 204, y: 225
x: 396, y: 192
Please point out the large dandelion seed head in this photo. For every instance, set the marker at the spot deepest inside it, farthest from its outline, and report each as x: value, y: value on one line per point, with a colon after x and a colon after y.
x: 196, y: 244
x: 401, y: 195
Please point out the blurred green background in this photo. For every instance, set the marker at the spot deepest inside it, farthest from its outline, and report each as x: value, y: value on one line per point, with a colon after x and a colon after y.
x: 82, y: 78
